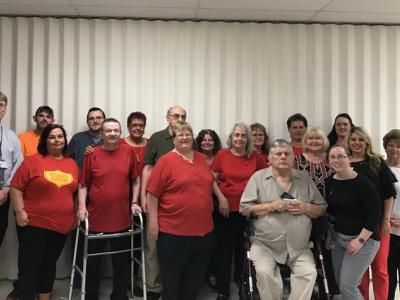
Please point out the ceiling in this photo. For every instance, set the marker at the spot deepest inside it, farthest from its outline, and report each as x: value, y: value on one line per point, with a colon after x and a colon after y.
x: 332, y: 11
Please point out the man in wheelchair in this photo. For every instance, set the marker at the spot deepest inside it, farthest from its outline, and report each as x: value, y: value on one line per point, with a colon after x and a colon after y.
x: 282, y: 201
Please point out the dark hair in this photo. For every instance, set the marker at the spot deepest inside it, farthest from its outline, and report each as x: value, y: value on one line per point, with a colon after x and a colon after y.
x: 259, y: 126
x: 136, y: 115
x: 345, y: 148
x: 110, y: 120
x: 42, y: 145
x: 393, y: 134
x: 214, y: 136
x: 296, y: 117
x: 46, y: 109
x: 332, y: 136
x: 94, y: 108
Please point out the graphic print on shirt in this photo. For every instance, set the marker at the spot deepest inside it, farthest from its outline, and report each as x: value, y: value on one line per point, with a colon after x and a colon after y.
x: 58, y: 178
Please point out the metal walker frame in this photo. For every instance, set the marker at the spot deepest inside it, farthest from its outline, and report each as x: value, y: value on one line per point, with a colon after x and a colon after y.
x: 136, y: 228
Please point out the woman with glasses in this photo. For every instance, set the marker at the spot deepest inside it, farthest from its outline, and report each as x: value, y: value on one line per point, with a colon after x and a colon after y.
x: 260, y: 140
x: 232, y: 169
x: 354, y: 203
x: 368, y: 163
x: 391, y: 143
x: 180, y: 215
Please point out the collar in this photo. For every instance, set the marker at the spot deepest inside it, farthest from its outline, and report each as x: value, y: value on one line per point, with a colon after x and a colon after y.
x: 268, y: 173
x: 165, y: 134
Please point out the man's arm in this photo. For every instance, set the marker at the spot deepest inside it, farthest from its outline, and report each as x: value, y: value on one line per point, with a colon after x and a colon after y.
x: 298, y: 207
x: 135, y: 196
x: 145, y: 179
x: 82, y: 194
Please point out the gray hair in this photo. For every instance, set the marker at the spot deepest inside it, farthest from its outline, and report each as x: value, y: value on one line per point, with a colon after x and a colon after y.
x: 280, y: 143
x: 249, y: 144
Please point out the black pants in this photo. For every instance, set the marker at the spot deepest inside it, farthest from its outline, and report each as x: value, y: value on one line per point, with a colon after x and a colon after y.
x: 183, y: 264
x: 4, y: 219
x: 230, y: 237
x: 393, y: 264
x: 39, y: 250
x: 120, y: 264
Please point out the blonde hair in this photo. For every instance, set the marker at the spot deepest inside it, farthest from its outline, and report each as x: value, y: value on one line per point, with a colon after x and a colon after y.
x: 372, y: 157
x: 315, y: 131
x: 181, y: 126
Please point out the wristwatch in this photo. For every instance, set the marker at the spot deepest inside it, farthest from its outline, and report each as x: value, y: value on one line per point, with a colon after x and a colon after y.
x: 361, y: 240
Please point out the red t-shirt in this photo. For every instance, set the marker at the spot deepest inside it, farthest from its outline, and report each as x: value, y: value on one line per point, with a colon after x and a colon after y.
x: 108, y: 174
x: 184, y: 192
x: 264, y: 156
x: 139, y: 151
x: 297, y: 150
x: 234, y: 172
x: 48, y: 186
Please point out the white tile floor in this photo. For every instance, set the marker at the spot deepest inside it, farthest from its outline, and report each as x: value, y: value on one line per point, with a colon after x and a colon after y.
x: 60, y: 291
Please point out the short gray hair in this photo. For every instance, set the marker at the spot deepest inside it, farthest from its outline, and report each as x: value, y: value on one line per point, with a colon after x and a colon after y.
x: 280, y: 143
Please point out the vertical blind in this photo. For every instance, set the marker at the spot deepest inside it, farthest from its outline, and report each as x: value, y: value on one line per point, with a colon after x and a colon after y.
x: 220, y: 72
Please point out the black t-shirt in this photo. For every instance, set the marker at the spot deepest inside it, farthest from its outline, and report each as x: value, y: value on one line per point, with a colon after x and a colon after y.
x: 383, y: 180
x: 355, y: 205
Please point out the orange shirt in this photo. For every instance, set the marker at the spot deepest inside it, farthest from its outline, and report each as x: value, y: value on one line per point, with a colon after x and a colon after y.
x: 29, y: 141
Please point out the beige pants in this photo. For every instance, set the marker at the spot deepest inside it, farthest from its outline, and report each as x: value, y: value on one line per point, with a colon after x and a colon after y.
x: 152, y: 267
x: 269, y: 280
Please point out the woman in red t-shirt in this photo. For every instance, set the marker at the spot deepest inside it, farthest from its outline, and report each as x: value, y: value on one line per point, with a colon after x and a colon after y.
x: 136, y: 124
x: 260, y: 140
x: 42, y: 198
x: 180, y: 215
x: 232, y: 169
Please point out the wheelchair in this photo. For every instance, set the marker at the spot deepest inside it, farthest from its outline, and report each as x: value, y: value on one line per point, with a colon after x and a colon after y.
x: 248, y: 289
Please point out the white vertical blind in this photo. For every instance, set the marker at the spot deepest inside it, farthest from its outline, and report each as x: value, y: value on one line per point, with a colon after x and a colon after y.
x: 220, y: 72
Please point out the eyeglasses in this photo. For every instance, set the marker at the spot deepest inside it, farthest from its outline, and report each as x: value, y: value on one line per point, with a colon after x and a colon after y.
x: 178, y: 116
x: 258, y: 135
x: 339, y: 157
x: 279, y: 154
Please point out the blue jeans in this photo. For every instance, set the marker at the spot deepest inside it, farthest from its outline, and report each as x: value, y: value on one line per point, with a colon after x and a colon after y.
x: 349, y: 269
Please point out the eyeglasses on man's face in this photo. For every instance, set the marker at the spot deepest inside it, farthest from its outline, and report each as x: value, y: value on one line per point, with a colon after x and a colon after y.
x: 178, y: 116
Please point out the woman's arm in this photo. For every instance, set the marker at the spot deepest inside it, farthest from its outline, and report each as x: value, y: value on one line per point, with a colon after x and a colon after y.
x: 387, y: 212
x: 152, y: 209
x: 17, y: 203
x: 222, y: 201
x: 356, y: 244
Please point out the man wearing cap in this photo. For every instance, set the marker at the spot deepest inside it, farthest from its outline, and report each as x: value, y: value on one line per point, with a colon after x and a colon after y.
x: 29, y: 140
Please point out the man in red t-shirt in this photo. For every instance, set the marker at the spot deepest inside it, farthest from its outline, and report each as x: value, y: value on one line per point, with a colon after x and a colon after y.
x: 107, y: 173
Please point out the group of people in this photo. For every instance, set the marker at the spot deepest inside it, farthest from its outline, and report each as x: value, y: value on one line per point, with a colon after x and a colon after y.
x: 198, y: 197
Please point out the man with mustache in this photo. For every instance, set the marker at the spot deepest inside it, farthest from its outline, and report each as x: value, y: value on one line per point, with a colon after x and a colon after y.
x: 29, y: 140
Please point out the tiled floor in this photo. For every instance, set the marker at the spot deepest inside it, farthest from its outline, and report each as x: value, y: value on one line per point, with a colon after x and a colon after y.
x: 60, y: 291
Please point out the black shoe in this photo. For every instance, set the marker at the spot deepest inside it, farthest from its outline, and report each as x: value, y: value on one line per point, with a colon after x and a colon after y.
x: 212, y: 282
x: 222, y: 297
x: 138, y: 292
x: 13, y: 295
x: 153, y: 296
